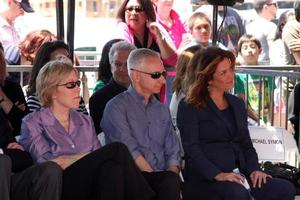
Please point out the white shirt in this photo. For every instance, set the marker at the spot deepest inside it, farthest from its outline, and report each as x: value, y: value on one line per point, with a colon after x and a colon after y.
x: 8, y: 34
x: 265, y: 35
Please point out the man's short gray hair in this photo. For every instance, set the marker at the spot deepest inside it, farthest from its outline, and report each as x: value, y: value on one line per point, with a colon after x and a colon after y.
x: 259, y: 4
x: 119, y: 46
x: 137, y: 56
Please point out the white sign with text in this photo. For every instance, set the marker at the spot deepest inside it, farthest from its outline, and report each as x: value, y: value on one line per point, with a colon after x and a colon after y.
x: 269, y: 143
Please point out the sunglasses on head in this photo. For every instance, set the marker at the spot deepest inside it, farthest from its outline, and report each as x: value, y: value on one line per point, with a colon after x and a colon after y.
x: 154, y: 75
x: 137, y: 9
x: 71, y: 84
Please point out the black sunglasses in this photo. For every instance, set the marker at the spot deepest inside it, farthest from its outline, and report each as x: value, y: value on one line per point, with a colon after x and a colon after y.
x: 137, y: 9
x: 71, y: 85
x: 272, y: 4
x: 154, y: 75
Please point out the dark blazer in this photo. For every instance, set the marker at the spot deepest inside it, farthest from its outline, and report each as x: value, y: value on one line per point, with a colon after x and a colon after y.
x: 210, y: 145
x: 99, y: 100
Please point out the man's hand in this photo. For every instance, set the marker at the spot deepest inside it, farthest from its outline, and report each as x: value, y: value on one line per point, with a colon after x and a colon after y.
x: 259, y: 177
x: 143, y: 165
x: 174, y: 168
x: 15, y: 145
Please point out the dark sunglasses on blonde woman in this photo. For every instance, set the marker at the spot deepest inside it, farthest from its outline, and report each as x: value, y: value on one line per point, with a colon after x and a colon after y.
x: 154, y: 75
x: 71, y: 84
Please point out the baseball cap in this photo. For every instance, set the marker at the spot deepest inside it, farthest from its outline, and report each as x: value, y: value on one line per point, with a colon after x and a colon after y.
x: 25, y: 5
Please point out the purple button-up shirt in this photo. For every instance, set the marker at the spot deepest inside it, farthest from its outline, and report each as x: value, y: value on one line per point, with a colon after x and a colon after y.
x: 45, y: 138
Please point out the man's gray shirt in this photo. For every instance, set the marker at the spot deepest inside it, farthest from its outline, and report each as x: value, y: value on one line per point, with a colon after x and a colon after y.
x: 147, y: 130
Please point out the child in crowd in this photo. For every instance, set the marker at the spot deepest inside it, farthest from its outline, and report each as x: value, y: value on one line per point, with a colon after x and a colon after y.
x: 200, y: 31
x: 247, y: 86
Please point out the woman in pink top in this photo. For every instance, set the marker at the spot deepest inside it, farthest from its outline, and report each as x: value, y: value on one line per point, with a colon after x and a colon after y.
x: 137, y: 25
x: 170, y: 20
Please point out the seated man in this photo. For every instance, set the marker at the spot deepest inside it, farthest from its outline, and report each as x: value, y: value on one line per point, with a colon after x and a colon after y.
x: 136, y: 118
x: 119, y: 82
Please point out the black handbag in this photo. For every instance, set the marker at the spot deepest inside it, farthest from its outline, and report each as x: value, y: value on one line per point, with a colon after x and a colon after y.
x: 284, y: 171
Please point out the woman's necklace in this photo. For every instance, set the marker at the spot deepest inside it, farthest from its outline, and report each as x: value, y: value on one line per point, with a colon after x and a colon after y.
x: 167, y: 22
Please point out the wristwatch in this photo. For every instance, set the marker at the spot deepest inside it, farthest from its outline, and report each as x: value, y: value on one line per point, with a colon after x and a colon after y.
x: 2, y: 99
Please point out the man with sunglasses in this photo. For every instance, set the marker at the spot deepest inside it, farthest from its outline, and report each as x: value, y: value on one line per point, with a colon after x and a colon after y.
x: 8, y: 33
x: 266, y: 11
x: 136, y: 118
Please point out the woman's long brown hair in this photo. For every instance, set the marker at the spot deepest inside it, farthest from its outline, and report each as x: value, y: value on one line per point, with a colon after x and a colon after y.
x: 204, y: 65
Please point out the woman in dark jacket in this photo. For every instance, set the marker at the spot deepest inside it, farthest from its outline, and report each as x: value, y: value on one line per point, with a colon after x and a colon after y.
x: 220, y: 157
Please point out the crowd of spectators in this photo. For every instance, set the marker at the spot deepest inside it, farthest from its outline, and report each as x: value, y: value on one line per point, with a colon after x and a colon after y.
x: 162, y: 123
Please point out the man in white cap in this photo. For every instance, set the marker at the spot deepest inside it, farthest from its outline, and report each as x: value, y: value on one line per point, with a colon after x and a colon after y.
x: 15, y: 8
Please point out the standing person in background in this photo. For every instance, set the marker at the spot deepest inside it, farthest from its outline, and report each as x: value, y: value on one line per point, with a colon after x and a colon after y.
x: 48, y: 51
x: 8, y: 33
x: 277, y: 52
x: 25, y: 52
x: 233, y: 27
x: 200, y: 31
x: 171, y: 22
x: 249, y: 49
x: 291, y: 37
x: 266, y: 11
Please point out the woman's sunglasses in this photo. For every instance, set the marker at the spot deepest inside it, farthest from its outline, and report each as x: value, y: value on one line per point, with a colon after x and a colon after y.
x: 71, y: 84
x: 137, y: 9
x: 154, y: 75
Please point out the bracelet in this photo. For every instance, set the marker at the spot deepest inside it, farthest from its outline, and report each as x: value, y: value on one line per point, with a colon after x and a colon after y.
x: 2, y: 99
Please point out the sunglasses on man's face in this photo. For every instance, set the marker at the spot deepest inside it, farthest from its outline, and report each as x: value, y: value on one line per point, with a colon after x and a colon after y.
x: 71, y: 84
x: 137, y: 9
x: 272, y: 4
x: 154, y: 75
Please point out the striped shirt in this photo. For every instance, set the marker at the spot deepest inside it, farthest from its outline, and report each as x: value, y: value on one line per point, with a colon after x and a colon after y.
x: 34, y: 103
